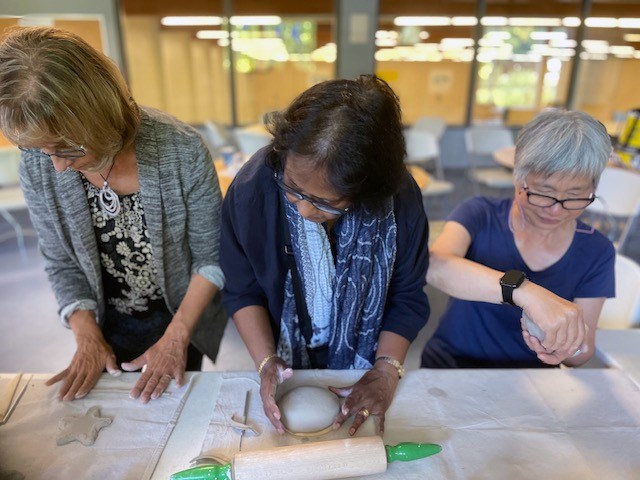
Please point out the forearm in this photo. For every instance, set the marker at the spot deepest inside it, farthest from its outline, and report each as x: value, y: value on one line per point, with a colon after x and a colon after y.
x: 392, y: 345
x: 83, y: 324
x: 255, y: 330
x: 464, y: 279
x: 199, y: 294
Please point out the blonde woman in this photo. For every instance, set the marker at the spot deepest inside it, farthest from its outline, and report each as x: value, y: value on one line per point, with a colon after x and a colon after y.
x: 125, y: 201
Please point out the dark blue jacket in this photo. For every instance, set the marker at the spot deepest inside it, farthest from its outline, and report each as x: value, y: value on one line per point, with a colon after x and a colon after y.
x: 255, y: 265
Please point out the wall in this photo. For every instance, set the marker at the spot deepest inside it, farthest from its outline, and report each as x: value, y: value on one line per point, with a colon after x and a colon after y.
x: 108, y: 9
x: 429, y: 88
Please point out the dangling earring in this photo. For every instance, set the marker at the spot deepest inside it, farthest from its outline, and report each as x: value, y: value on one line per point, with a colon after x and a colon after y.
x: 107, y: 198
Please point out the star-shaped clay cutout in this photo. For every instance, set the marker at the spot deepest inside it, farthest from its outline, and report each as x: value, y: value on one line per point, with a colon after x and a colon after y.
x: 82, y: 428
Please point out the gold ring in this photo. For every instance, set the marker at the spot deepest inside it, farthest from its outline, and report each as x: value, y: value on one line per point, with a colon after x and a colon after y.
x: 364, y: 412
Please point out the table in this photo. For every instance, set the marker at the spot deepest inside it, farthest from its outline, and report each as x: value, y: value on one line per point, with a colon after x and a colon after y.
x: 505, y: 157
x: 620, y: 349
x: 499, y: 424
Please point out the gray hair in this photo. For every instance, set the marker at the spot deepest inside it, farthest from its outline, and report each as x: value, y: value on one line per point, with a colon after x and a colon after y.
x: 562, y: 141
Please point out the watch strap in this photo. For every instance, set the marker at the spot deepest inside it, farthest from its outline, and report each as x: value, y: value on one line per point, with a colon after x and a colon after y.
x: 507, y: 294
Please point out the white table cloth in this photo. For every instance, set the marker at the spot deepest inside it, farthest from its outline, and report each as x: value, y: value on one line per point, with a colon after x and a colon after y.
x: 492, y: 424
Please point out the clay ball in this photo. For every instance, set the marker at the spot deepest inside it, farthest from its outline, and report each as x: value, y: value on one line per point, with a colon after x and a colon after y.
x: 308, y: 409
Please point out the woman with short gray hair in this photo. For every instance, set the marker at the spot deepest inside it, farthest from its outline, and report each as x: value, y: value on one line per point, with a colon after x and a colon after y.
x: 527, y: 278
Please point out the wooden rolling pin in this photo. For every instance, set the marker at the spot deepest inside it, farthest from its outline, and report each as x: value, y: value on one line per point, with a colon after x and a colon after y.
x: 351, y: 457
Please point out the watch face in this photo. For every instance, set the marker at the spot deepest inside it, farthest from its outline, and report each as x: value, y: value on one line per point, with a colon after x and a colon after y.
x: 512, y: 278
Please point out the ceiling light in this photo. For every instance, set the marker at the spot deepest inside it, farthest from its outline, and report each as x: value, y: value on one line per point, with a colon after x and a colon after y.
x: 566, y: 43
x: 534, y: 22
x: 212, y: 34
x: 456, y: 43
x: 421, y: 21
x: 548, y: 35
x: 464, y: 21
x: 629, y: 22
x: 494, y: 21
x: 256, y: 20
x: 387, y: 34
x: 497, y: 35
x: 601, y: 22
x: 593, y: 56
x: 190, y: 21
x: 571, y: 21
x: 490, y: 42
x: 621, y: 49
x: 631, y: 37
x: 386, y: 42
x: 423, y: 35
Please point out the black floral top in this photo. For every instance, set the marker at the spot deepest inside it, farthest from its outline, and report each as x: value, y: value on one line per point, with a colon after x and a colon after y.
x: 126, y: 256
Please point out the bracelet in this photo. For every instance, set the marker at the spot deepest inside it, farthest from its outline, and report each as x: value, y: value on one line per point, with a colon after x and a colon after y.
x: 392, y: 361
x: 264, y: 361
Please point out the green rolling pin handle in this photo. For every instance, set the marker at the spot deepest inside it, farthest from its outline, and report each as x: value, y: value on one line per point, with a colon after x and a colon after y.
x: 407, y: 451
x: 204, y: 472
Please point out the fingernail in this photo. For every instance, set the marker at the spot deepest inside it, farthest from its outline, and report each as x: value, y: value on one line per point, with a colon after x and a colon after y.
x: 352, y: 431
x: 80, y: 395
x: 115, y: 373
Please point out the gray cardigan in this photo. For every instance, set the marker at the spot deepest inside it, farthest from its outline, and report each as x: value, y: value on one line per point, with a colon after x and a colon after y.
x: 181, y: 199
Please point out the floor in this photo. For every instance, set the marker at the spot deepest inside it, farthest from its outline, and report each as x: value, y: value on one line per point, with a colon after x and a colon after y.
x: 33, y: 340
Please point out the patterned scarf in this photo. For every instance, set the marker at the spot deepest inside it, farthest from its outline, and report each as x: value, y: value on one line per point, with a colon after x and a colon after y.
x: 345, y: 300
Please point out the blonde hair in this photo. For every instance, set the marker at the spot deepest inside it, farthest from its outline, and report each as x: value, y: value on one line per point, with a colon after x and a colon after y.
x: 57, y: 89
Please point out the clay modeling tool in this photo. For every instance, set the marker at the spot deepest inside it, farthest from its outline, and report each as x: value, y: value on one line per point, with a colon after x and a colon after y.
x: 10, y: 394
x: 207, y: 459
x: 244, y: 418
x: 7, y: 395
x: 351, y: 457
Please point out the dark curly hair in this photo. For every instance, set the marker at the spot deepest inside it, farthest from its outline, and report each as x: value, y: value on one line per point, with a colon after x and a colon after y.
x: 350, y: 129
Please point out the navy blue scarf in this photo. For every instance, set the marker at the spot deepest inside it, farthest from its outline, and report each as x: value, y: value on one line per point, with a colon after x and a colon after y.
x: 346, y: 302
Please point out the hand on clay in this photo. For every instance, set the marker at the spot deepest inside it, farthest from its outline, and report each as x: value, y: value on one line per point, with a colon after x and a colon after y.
x: 373, y: 393
x: 561, y: 321
x: 164, y: 360
x: 274, y: 372
x: 92, y: 356
x: 550, y: 358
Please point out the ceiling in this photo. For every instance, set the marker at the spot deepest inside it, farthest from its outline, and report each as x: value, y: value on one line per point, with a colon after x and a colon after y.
x: 323, y: 12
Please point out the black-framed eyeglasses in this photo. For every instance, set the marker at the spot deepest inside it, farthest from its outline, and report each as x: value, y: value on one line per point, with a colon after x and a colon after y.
x: 301, y: 196
x: 66, y: 154
x: 544, y: 201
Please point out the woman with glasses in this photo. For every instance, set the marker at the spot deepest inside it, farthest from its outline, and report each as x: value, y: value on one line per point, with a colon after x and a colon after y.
x: 527, y: 278
x: 324, y: 246
x: 125, y: 201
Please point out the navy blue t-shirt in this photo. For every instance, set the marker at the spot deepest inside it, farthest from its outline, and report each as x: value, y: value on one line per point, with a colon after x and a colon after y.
x: 480, y: 334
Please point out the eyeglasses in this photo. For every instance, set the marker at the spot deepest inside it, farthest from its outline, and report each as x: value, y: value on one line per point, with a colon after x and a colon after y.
x: 301, y: 196
x: 65, y: 154
x: 539, y: 200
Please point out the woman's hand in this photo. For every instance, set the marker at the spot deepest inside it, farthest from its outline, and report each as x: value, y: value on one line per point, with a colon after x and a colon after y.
x: 92, y: 356
x: 551, y: 358
x: 273, y: 373
x: 371, y: 395
x: 166, y: 359
x: 561, y: 321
